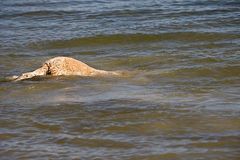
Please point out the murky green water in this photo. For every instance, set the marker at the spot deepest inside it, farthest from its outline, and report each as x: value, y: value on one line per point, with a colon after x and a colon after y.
x: 180, y: 101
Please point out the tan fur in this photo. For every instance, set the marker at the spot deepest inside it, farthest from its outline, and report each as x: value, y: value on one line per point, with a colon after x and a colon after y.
x: 65, y: 66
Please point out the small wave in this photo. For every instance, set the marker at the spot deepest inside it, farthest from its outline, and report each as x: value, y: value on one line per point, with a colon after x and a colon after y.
x: 214, y: 72
x: 131, y: 39
x: 7, y: 136
x: 40, y: 13
x: 94, y: 143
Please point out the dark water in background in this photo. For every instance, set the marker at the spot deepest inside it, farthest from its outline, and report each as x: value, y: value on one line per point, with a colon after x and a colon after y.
x: 181, y: 101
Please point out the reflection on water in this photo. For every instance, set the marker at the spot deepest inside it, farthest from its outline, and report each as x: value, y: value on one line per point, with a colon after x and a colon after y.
x: 179, y: 101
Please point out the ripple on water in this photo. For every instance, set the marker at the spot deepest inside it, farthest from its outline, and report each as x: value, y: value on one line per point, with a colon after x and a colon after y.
x: 181, y: 100
x: 121, y: 39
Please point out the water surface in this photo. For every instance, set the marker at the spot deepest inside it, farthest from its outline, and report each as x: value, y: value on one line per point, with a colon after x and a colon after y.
x: 181, y: 100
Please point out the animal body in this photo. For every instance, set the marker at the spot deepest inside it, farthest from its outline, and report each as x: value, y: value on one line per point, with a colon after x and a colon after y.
x: 65, y: 66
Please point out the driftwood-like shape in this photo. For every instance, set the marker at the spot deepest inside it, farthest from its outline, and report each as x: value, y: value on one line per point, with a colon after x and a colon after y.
x: 65, y: 66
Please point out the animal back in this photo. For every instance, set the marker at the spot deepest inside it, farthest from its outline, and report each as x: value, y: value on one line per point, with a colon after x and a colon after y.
x: 69, y: 66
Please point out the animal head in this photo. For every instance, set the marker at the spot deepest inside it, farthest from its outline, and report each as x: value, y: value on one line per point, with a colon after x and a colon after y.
x: 24, y: 76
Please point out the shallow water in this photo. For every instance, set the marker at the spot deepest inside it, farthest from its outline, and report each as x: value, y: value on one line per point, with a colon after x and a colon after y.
x: 181, y: 98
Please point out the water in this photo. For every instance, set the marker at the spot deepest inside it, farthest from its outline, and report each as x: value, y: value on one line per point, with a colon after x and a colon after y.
x: 181, y: 100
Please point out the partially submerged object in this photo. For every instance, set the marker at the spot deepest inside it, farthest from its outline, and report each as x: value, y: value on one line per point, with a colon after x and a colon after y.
x: 65, y: 66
